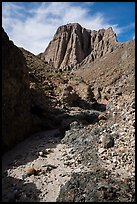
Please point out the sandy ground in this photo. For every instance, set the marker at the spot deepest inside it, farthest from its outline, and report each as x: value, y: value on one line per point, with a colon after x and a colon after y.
x: 46, y: 185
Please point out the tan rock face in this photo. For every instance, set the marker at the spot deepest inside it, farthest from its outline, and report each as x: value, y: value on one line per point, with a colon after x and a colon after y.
x: 15, y: 95
x: 72, y: 44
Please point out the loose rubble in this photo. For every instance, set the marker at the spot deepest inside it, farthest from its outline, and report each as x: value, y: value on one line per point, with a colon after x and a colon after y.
x: 66, y: 170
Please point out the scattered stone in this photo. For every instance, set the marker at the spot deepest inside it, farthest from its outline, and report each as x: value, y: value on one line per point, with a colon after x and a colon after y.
x: 41, y: 154
x: 108, y: 141
x: 101, y: 150
x: 66, y: 163
x: 102, y: 117
x: 69, y: 96
x: 48, y: 151
x: 133, y: 104
x: 74, y: 125
x: 44, y: 153
x: 50, y: 167
x: 31, y: 171
x: 63, y: 175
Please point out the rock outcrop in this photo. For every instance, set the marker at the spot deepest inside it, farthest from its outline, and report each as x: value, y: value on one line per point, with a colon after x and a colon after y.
x: 16, y: 115
x: 72, y: 44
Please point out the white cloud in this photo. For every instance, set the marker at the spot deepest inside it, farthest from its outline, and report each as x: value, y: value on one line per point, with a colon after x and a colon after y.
x: 35, y: 27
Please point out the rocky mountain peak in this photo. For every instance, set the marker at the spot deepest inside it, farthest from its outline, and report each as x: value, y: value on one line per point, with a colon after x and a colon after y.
x: 72, y: 44
x: 67, y: 27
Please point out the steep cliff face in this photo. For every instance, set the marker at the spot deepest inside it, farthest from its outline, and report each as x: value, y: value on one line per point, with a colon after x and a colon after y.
x: 15, y: 95
x: 102, y: 42
x: 72, y: 44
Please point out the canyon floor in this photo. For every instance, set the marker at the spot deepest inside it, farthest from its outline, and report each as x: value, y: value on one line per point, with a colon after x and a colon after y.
x: 78, y: 165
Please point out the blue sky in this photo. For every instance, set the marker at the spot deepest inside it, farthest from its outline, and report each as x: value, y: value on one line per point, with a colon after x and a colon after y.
x: 32, y: 25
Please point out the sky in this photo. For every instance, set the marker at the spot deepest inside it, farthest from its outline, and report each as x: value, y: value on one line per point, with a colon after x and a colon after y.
x: 32, y: 25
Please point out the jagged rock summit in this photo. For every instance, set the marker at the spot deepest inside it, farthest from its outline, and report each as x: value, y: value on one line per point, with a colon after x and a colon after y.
x: 72, y: 44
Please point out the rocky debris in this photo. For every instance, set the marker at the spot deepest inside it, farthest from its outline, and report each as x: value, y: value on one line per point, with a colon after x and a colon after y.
x: 77, y: 118
x: 39, y: 71
x: 107, y: 141
x: 69, y: 96
x: 107, y: 92
x: 72, y: 44
x: 102, y: 116
x: 74, y: 125
x: 133, y: 103
x: 42, y: 154
x: 116, y: 154
x: 16, y: 103
x: 75, y: 93
x: 84, y: 90
x: 97, y: 92
x: 45, y: 152
x: 35, y: 64
x: 81, y: 159
x: 50, y: 167
x: 46, y: 173
x: 30, y: 171
x: 122, y: 156
x: 88, y: 117
x: 43, y: 95
x: 95, y: 187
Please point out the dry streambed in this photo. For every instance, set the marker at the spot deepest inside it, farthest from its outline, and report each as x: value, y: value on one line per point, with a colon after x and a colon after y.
x: 36, y: 168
